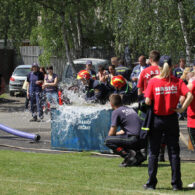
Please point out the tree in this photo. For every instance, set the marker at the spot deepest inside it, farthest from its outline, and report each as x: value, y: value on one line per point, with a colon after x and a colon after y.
x: 75, y: 23
x: 151, y: 24
x: 17, y: 19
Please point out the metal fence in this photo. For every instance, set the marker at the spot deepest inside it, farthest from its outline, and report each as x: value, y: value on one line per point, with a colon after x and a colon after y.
x: 30, y: 54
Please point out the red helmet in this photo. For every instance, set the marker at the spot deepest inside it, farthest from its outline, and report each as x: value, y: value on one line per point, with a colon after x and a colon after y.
x: 118, y: 81
x: 83, y: 74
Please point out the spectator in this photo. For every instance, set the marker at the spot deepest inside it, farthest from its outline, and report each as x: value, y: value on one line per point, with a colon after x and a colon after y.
x: 190, y: 77
x: 185, y: 73
x: 126, y: 141
x: 165, y: 90
x: 193, y: 70
x: 114, y: 61
x: 34, y: 91
x: 111, y: 74
x: 2, y: 85
x: 102, y: 74
x: 42, y: 69
x: 43, y: 99
x: 191, y: 114
x: 90, y: 70
x: 50, y: 86
x: 138, y: 69
x: 177, y: 72
x: 148, y: 62
x: 148, y: 72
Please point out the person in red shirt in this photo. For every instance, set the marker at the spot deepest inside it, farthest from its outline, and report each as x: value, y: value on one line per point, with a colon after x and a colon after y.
x: 149, y: 72
x: 191, y: 113
x: 164, y: 91
x: 144, y: 78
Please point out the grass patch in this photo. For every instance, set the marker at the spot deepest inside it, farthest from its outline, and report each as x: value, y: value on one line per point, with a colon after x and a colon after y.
x: 80, y: 173
x: 4, y: 95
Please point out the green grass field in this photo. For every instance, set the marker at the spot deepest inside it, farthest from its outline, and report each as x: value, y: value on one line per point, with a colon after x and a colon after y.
x: 80, y: 173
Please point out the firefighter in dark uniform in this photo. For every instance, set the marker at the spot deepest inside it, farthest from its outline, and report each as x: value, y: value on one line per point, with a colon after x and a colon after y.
x: 164, y: 91
x: 125, y: 142
x: 34, y: 92
x: 123, y: 70
x: 95, y: 91
x: 177, y: 72
x: 124, y: 88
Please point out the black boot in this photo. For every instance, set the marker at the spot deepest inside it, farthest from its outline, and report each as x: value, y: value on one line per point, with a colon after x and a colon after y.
x: 140, y: 158
x: 33, y: 119
x: 130, y: 159
x: 121, y: 151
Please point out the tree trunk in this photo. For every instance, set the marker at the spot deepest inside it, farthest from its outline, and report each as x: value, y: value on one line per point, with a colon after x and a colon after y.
x: 75, y: 40
x: 184, y: 30
x: 79, y: 29
x: 67, y: 48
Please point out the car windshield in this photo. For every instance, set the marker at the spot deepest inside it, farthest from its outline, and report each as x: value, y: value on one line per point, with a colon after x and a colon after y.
x: 22, y: 71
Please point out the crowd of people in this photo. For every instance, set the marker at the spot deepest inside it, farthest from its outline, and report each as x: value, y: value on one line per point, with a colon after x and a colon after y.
x: 164, y: 92
x: 41, y: 90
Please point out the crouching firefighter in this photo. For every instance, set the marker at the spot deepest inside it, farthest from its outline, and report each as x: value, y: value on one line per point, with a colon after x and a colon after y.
x: 95, y: 91
x: 124, y: 89
x: 125, y: 142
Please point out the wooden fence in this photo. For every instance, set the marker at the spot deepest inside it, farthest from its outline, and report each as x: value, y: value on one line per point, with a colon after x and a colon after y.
x: 30, y: 54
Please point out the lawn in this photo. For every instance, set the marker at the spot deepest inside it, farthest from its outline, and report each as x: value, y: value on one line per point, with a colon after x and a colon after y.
x: 80, y: 173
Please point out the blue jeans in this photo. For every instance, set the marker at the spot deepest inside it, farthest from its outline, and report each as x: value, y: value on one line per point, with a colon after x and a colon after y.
x: 52, y: 97
x: 36, y: 104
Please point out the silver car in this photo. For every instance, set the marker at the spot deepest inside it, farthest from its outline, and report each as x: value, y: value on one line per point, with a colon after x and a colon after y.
x: 80, y: 64
x: 18, y: 77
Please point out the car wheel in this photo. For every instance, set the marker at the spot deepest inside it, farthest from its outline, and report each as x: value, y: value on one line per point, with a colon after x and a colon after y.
x: 11, y: 93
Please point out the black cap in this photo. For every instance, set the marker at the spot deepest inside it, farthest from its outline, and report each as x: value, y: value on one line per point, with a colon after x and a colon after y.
x: 164, y: 59
x: 50, y: 68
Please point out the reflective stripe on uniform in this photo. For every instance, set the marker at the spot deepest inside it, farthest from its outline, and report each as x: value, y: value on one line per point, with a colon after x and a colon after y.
x: 145, y: 128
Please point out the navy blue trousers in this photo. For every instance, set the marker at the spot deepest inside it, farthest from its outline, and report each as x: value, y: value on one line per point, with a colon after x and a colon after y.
x: 36, y: 104
x: 169, y: 126
x: 124, y: 141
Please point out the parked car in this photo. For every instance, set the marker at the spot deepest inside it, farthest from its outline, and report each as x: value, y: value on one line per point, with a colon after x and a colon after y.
x: 17, y: 79
x: 80, y: 64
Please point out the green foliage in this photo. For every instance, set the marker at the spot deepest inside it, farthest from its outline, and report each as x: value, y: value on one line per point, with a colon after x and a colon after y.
x: 83, y: 14
x: 142, y: 24
x: 149, y: 24
x: 17, y: 19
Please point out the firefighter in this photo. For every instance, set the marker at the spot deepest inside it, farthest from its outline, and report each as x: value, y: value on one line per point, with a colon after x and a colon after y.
x: 124, y: 88
x: 95, y: 91
x: 164, y: 91
x: 126, y: 141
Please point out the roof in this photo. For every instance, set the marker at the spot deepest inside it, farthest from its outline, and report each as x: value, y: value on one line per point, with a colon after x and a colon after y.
x: 24, y: 66
x: 94, y: 61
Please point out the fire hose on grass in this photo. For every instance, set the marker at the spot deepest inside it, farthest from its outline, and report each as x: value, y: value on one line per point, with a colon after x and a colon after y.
x: 34, y: 137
